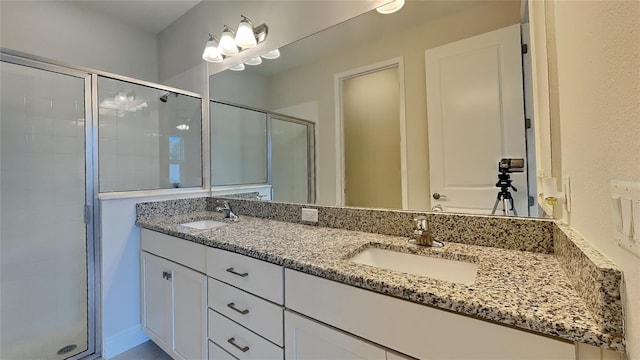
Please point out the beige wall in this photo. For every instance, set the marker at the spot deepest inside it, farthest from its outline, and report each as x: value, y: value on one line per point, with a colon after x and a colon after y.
x: 598, y: 63
x: 314, y: 82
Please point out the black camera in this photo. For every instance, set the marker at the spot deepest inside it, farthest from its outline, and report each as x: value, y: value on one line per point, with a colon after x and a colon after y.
x: 508, y: 165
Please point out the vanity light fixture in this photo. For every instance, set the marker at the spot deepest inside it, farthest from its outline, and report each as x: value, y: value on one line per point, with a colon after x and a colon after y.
x: 232, y: 43
x: 211, y: 52
x: 273, y: 54
x: 254, y: 61
x: 245, y: 36
x: 227, y: 45
x: 390, y: 7
x: 238, y: 67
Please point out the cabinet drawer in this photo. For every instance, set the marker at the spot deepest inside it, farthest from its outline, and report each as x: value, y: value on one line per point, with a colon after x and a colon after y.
x: 216, y: 353
x: 240, y: 342
x: 255, y: 276
x: 178, y: 250
x: 250, y: 311
x: 418, y: 330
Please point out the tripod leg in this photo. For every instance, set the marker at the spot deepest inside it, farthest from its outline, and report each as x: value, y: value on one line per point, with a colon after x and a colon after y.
x: 495, y: 206
x: 505, y: 206
x: 513, y: 207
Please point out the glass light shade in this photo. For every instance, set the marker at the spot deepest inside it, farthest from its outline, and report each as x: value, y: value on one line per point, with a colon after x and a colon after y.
x: 391, y: 7
x: 245, y: 38
x: 211, y: 52
x: 238, y: 67
x: 273, y: 54
x: 227, y: 44
x: 254, y: 61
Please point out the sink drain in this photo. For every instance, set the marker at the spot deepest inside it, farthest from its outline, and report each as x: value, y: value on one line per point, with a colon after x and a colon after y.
x: 67, y: 349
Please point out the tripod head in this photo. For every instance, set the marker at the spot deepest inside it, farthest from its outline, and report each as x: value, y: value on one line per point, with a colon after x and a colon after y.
x: 505, y: 182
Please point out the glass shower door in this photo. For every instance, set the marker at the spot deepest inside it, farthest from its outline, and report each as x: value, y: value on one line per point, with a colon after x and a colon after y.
x: 46, y: 264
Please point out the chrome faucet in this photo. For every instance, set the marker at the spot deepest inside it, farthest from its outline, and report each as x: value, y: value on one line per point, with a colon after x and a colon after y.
x: 425, y: 238
x: 226, y: 209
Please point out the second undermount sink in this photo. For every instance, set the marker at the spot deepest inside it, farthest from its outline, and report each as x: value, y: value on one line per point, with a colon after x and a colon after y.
x: 441, y: 269
x: 204, y: 224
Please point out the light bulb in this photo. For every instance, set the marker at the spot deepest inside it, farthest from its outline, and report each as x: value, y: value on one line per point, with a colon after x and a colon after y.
x: 238, y: 67
x: 391, y: 7
x: 245, y: 37
x: 121, y: 98
x: 227, y: 44
x: 211, y: 52
x: 273, y: 54
x: 254, y: 61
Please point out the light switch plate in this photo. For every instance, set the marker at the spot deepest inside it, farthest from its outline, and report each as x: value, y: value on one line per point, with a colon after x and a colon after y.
x: 627, y: 196
x: 310, y: 215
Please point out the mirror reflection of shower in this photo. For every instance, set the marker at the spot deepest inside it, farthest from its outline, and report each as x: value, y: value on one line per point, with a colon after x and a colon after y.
x: 164, y: 98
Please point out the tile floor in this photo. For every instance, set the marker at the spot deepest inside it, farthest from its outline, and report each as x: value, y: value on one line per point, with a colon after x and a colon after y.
x: 144, y: 351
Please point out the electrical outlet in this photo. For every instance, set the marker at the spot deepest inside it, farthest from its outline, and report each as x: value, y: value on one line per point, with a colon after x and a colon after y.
x: 310, y: 215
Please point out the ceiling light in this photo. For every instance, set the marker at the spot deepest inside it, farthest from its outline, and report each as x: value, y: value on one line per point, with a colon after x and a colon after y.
x: 391, y: 7
x: 211, y: 52
x: 254, y: 61
x: 238, y: 67
x: 182, y: 127
x: 273, y: 54
x: 245, y: 36
x: 227, y: 44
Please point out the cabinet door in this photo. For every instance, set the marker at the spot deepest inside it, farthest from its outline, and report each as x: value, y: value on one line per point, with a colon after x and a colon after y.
x: 156, y: 299
x: 189, y: 313
x: 307, y: 339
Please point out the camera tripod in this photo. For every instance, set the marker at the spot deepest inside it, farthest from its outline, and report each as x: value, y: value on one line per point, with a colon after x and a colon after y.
x: 504, y: 195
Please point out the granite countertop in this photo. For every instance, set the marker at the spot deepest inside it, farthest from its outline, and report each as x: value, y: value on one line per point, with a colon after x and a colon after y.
x: 523, y: 289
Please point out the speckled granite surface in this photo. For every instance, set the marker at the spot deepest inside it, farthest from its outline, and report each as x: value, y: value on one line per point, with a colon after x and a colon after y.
x: 504, y: 232
x: 595, y: 278
x: 524, y: 289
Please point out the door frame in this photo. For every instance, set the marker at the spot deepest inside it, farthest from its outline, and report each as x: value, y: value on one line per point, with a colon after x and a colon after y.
x: 338, y: 80
x: 91, y: 213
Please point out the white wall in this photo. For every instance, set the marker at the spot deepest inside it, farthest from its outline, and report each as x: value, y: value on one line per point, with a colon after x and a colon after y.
x: 121, y: 272
x: 62, y: 31
x: 598, y: 62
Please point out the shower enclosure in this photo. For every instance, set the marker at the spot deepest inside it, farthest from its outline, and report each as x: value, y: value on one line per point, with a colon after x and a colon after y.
x: 67, y: 135
x: 47, y: 253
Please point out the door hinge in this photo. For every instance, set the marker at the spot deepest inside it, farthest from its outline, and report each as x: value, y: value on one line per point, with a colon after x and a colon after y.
x: 525, y: 48
x: 531, y: 201
x: 527, y: 123
x: 87, y: 214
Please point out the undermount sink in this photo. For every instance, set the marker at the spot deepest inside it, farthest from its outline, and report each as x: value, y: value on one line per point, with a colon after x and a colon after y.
x: 204, y: 224
x: 436, y: 268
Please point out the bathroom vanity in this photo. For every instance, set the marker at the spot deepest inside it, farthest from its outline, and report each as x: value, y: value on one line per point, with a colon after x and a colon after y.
x: 261, y: 288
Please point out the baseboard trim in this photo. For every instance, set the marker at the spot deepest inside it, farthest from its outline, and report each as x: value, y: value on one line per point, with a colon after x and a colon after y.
x: 127, y: 339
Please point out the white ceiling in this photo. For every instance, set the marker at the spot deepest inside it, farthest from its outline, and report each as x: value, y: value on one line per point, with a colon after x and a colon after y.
x: 148, y: 15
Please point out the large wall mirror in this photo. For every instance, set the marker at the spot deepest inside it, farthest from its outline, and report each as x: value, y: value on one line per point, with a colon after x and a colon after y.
x: 414, y: 110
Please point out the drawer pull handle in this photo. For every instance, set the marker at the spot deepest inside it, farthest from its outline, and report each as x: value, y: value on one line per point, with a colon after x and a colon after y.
x: 233, y: 306
x: 237, y: 273
x: 232, y: 341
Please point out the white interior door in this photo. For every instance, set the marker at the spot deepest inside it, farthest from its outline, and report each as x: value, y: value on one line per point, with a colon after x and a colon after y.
x: 476, y: 117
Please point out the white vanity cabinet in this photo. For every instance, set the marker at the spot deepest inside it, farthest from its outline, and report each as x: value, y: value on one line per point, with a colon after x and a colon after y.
x: 308, y: 339
x: 173, y: 296
x: 246, y: 298
x: 413, y: 329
